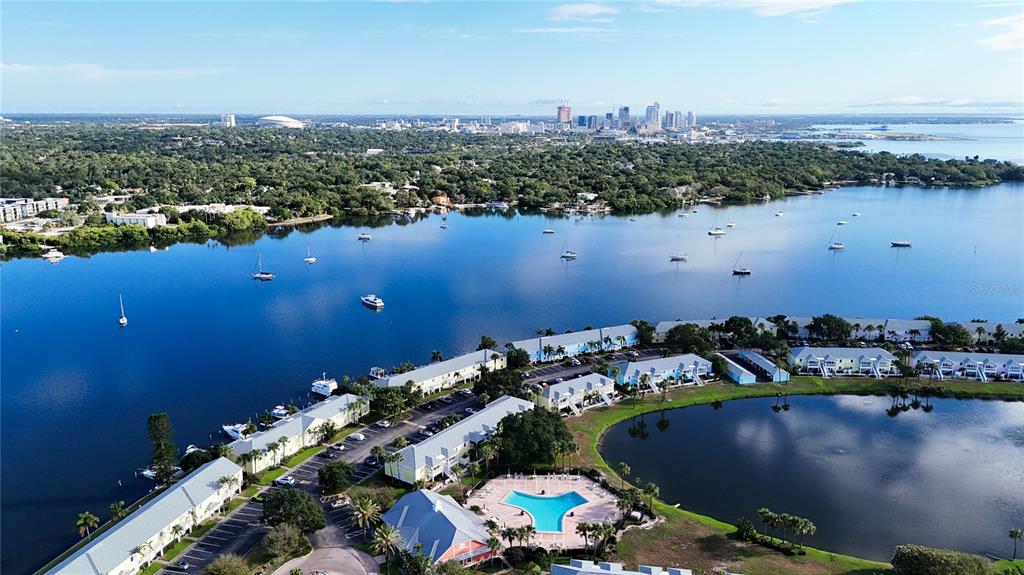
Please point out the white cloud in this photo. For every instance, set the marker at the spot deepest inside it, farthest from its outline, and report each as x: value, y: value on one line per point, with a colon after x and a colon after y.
x: 564, y: 30
x: 804, y: 9
x: 583, y: 12
x: 1011, y: 37
x: 99, y: 72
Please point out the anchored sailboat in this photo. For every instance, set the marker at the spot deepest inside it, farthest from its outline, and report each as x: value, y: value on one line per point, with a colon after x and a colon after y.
x: 259, y: 274
x: 738, y: 271
x: 123, y: 321
x: 309, y: 259
x: 833, y: 243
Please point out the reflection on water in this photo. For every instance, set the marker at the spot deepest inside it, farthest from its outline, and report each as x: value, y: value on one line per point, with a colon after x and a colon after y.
x: 871, y: 472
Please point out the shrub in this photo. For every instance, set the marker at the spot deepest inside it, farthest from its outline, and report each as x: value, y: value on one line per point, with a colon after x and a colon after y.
x: 229, y: 564
x: 918, y: 560
x: 283, y: 540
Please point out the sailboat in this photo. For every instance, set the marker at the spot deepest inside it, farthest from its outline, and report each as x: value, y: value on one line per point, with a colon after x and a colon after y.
x: 259, y: 274
x: 738, y: 271
x: 715, y: 230
x: 309, y: 259
x: 834, y: 244
x: 123, y: 321
x: 677, y: 257
x: 444, y: 220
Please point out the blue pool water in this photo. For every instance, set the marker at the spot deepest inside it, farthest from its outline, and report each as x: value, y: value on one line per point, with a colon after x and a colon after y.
x: 547, y: 512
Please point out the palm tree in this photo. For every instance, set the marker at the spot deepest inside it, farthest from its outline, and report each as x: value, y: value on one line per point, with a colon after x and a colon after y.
x: 142, y: 548
x: 365, y: 514
x: 805, y: 527
x: 652, y: 491
x: 560, y: 350
x: 327, y: 430
x: 856, y: 329
x: 785, y: 521
x: 525, y: 532
x: 509, y: 533
x: 548, y: 350
x: 1016, y: 534
x: 488, y: 451
x: 435, y: 356
x: 229, y: 481
x: 624, y: 471
x: 386, y: 540
x: 584, y: 530
x: 378, y: 453
x: 86, y: 523
x: 492, y: 526
x: 393, y: 458
x: 765, y: 515
x: 495, y: 544
x: 980, y: 331
x: 604, y: 532
x: 118, y: 510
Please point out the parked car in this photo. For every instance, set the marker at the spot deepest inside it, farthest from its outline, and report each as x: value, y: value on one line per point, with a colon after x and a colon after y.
x: 371, y: 462
x: 576, y: 362
x: 426, y: 433
x: 286, y: 481
x: 326, y: 454
x: 179, y: 565
x: 634, y: 354
x: 385, y: 423
x: 337, y: 447
x: 470, y: 410
x: 357, y: 437
x: 559, y: 379
x: 447, y: 399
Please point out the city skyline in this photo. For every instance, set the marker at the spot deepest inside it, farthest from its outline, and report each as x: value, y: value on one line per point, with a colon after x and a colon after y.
x: 735, y: 56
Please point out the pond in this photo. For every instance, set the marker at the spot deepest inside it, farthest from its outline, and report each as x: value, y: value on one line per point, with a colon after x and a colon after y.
x: 937, y: 472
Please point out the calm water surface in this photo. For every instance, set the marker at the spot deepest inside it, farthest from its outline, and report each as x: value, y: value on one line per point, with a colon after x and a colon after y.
x: 995, y: 141
x: 209, y: 346
x: 950, y: 478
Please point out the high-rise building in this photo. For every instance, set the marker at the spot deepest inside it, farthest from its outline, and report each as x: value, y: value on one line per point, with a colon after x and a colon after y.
x: 624, y: 117
x: 564, y: 114
x: 691, y: 120
x: 581, y: 121
x: 653, y: 114
x: 228, y: 120
x: 674, y: 120
x: 593, y: 122
x: 609, y: 120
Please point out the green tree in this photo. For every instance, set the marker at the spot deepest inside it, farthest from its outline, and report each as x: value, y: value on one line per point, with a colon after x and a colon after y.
x: 365, y: 514
x: 918, y: 560
x: 487, y: 342
x: 688, y: 338
x: 644, y: 331
x: 529, y: 437
x: 830, y: 328
x: 624, y: 471
x: 1016, y: 534
x: 334, y: 476
x: 85, y: 523
x: 227, y: 564
x: 165, y: 454
x: 386, y: 541
x: 293, y: 506
x: 435, y: 356
x: 118, y: 510
x: 283, y: 540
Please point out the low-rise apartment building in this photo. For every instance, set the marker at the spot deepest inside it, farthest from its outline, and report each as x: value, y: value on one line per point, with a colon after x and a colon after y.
x: 576, y: 395
x: 831, y: 361
x: 447, y: 373
x: 562, y: 345
x: 12, y: 209
x: 673, y: 370
x: 970, y: 365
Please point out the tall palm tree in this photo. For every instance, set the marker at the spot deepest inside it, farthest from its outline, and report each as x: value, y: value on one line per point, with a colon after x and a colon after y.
x: 378, y: 453
x: 805, y: 527
x: 386, y: 540
x: 765, y: 515
x: 117, y: 510
x: 435, y: 356
x: 624, y: 471
x: 509, y: 533
x: 526, y: 532
x: 560, y: 350
x: 548, y: 350
x: 394, y: 458
x: 488, y: 451
x: 495, y: 544
x: 1016, y: 534
x: 86, y: 523
x: 652, y: 491
x: 365, y: 514
x: 584, y: 529
x: 177, y: 531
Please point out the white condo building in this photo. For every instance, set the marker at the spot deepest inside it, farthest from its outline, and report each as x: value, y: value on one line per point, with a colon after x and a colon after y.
x: 970, y: 365
x: 300, y: 430
x: 135, y: 541
x: 672, y: 371
x: 585, y: 567
x: 576, y: 395
x: 437, y: 455
x: 145, y: 220
x: 12, y: 209
x: 829, y: 361
x: 562, y: 345
x: 447, y: 373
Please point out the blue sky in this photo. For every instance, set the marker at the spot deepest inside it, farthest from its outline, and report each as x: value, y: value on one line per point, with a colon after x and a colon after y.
x: 433, y: 57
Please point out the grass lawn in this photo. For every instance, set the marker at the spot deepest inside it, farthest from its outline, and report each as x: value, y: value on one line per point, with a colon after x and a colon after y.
x: 702, y: 543
x: 175, y: 550
x: 152, y: 569
x: 268, y: 477
x: 248, y: 492
x: 259, y: 558
x: 203, y: 528
x: 303, y: 455
x: 1010, y: 567
x: 235, y: 504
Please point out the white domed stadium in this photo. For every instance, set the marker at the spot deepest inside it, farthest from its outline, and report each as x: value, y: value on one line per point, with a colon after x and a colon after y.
x: 280, y: 122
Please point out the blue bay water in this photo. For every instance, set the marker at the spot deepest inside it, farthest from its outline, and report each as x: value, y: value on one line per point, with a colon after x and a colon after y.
x: 209, y: 346
x: 989, y: 141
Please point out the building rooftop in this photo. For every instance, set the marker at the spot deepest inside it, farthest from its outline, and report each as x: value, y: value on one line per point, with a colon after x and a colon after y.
x: 591, y: 381
x: 296, y: 424
x: 436, y: 521
x: 536, y: 344
x: 438, y: 368
x: 875, y: 353
x: 663, y: 363
x: 1012, y: 329
x: 584, y: 567
x: 476, y: 427
x: 964, y: 356
x: 114, y: 546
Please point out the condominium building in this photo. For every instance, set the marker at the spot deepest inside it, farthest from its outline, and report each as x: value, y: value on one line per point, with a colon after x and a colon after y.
x: 12, y: 209
x: 673, y: 370
x: 584, y: 567
x: 564, y: 114
x: 448, y: 373
x: 830, y: 361
x: 559, y: 346
x: 437, y: 455
x: 299, y: 430
x: 575, y: 395
x: 144, y: 219
x: 134, y: 542
x: 970, y: 365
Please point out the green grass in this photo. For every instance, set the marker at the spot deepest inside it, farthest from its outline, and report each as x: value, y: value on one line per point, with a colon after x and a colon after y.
x: 259, y: 558
x: 152, y: 569
x: 175, y: 550
x: 1009, y: 567
x: 204, y: 528
x: 302, y: 455
x: 235, y: 504
x: 676, y: 536
x: 248, y: 492
x: 268, y: 477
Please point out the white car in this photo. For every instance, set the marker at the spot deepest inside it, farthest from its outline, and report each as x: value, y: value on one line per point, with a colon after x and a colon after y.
x: 576, y: 362
x: 470, y: 410
x: 357, y: 437
x: 634, y: 354
x: 285, y: 481
x: 385, y: 423
x: 337, y: 447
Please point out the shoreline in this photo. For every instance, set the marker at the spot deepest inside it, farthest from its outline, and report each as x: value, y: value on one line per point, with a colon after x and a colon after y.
x: 591, y: 427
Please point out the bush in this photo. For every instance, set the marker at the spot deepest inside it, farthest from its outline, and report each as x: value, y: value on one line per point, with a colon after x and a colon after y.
x: 229, y: 564
x: 293, y: 506
x: 283, y: 540
x: 918, y: 560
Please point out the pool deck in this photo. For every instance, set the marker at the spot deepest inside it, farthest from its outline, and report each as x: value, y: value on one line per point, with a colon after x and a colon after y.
x: 601, y: 506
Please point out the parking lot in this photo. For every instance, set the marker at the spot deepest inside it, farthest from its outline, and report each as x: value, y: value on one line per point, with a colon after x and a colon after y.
x: 241, y: 531
x: 566, y: 370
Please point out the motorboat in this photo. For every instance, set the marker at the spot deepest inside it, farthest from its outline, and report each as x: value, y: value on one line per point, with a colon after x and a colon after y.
x: 279, y: 412
x: 259, y: 274
x: 236, y: 431
x: 372, y: 301
x: 309, y: 259
x: 678, y: 258
x: 444, y: 226
x: 900, y: 244
x: 779, y: 214
x: 364, y: 237
x: 151, y: 474
x: 324, y: 386
x: 856, y: 214
x: 694, y: 210
x: 192, y: 448
x: 568, y: 255
x: 632, y: 219
x: 730, y: 225
x: 716, y: 232
x: 836, y: 246
x: 549, y: 232
x: 123, y: 320
x: 841, y: 223
x: 53, y: 256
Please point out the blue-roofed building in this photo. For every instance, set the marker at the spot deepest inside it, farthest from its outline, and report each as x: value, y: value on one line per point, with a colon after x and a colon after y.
x: 447, y: 373
x: 445, y: 530
x: 562, y: 345
x: 135, y: 541
x: 764, y: 367
x: 673, y: 370
x: 737, y: 373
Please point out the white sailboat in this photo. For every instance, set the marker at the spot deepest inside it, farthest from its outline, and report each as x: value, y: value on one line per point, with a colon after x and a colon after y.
x: 738, y: 271
x: 715, y: 230
x: 364, y: 237
x: 309, y: 259
x: 123, y: 321
x: 259, y: 274
x: 678, y: 257
x: 834, y: 244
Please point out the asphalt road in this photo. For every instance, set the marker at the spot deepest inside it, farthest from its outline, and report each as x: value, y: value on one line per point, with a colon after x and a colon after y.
x: 565, y: 370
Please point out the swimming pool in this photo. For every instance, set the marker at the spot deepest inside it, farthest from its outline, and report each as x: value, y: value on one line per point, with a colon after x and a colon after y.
x: 547, y: 512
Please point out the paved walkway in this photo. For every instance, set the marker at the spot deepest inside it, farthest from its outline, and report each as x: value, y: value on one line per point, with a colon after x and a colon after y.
x: 333, y: 561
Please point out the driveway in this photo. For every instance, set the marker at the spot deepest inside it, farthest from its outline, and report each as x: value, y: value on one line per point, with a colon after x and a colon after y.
x: 333, y: 561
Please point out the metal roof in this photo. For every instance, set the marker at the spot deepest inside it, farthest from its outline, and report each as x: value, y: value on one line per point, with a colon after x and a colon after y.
x: 435, y: 521
x: 536, y: 344
x: 661, y: 364
x: 296, y: 424
x: 439, y: 368
x: 859, y: 353
x: 969, y: 357
x: 591, y: 381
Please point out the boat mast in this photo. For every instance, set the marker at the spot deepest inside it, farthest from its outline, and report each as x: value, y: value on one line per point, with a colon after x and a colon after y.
x: 121, y: 301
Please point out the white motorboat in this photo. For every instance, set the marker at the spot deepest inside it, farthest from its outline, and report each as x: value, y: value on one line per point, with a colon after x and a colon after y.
x: 568, y: 255
x: 716, y: 232
x: 364, y: 237
x: 900, y: 244
x: 53, y: 256
x: 259, y: 274
x: 309, y: 259
x: 123, y: 320
x: 841, y: 223
x: 372, y: 301
x: 730, y: 225
x: 836, y: 246
x: 324, y: 386
x: 856, y: 214
x: 238, y: 431
x: 779, y: 214
x: 548, y: 232
x: 279, y: 412
x: 678, y: 258
x: 150, y: 473
x: 192, y: 448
